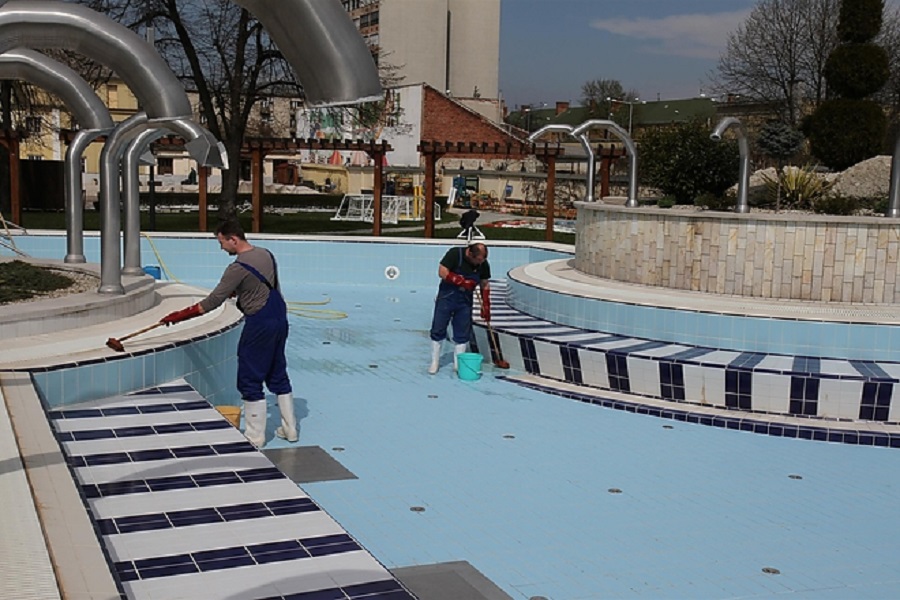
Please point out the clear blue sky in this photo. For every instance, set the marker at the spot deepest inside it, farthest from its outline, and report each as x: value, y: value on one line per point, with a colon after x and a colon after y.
x: 659, y: 48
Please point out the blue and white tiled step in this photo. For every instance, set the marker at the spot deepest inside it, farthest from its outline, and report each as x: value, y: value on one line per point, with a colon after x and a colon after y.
x: 187, y: 508
x: 750, y: 382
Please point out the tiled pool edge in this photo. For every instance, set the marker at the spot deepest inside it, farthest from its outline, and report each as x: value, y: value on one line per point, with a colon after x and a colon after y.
x: 80, y: 564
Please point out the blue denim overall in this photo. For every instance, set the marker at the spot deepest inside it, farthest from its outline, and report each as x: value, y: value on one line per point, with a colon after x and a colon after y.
x: 454, y: 305
x: 261, y: 347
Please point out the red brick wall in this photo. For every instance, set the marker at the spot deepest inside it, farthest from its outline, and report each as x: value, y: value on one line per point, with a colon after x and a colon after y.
x: 446, y: 121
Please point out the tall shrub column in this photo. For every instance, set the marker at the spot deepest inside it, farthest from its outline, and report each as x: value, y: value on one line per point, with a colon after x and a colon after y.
x: 848, y: 127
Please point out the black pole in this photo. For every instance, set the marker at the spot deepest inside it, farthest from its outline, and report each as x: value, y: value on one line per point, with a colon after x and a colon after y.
x: 152, y: 199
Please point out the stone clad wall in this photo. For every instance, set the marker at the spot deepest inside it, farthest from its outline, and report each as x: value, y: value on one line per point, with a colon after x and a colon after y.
x: 786, y: 256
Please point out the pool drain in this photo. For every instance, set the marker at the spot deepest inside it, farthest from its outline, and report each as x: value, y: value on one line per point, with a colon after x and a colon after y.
x: 338, y: 449
x: 795, y: 476
x: 614, y: 491
x: 373, y: 366
x: 668, y: 427
x: 508, y: 436
x: 417, y: 508
x: 432, y: 395
x: 771, y: 571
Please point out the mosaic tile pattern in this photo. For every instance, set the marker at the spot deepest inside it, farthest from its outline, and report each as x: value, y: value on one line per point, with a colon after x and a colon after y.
x: 752, y: 382
x: 187, y: 508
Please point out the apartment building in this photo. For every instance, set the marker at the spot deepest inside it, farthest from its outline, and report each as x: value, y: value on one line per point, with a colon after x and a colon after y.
x: 452, y: 45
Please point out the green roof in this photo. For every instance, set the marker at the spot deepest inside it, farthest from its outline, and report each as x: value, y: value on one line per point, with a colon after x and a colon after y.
x: 642, y: 113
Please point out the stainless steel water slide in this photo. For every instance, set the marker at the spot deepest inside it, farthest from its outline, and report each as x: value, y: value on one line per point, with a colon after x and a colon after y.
x: 90, y: 112
x: 317, y: 37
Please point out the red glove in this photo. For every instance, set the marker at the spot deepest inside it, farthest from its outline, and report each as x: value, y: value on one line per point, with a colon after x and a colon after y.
x: 182, y: 315
x: 485, y: 306
x: 457, y: 279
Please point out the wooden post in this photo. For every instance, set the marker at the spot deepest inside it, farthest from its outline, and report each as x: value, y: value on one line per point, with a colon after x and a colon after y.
x: 257, y: 179
x: 430, y: 162
x: 378, y: 178
x: 550, y: 161
x: 203, y: 181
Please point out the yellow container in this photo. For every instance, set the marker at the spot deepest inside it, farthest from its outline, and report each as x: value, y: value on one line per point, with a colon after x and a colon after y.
x: 232, y: 413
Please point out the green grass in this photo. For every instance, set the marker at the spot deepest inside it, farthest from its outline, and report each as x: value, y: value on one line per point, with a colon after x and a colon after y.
x: 297, y: 224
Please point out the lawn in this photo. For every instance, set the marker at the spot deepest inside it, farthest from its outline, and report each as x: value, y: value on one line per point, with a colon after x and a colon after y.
x: 297, y: 223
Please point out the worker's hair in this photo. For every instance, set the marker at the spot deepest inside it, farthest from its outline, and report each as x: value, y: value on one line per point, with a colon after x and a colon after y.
x: 478, y: 250
x: 231, y: 228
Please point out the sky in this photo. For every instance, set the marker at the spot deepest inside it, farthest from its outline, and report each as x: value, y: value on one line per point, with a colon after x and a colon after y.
x: 662, y: 49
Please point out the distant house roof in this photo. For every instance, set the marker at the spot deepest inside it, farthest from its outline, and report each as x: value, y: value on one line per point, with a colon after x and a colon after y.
x: 642, y: 113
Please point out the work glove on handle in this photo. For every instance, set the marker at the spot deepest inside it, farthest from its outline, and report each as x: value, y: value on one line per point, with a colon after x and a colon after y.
x: 485, y: 306
x: 182, y: 315
x: 457, y: 279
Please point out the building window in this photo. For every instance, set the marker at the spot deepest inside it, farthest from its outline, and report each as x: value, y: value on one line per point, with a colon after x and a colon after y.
x: 112, y: 96
x: 165, y: 166
x: 33, y: 124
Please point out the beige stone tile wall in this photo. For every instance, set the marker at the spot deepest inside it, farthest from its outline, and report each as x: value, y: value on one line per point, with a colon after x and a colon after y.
x: 789, y: 256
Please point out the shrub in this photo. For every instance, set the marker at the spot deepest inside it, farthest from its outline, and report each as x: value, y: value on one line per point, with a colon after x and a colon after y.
x: 857, y: 70
x: 665, y: 202
x: 836, y: 204
x: 843, y: 132
x: 800, y: 187
x: 723, y: 202
x: 683, y: 162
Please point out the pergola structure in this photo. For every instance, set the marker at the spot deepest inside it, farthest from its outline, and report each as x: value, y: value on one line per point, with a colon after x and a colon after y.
x: 432, y: 151
x: 257, y: 149
x: 9, y: 139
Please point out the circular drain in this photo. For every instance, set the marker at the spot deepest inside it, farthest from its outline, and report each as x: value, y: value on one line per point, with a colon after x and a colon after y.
x: 795, y: 476
x: 771, y: 571
x: 432, y: 395
x: 508, y: 436
x: 614, y: 491
x: 668, y: 427
x: 325, y: 343
x: 338, y: 449
x: 373, y: 366
x: 396, y: 320
x: 538, y: 598
x: 417, y: 508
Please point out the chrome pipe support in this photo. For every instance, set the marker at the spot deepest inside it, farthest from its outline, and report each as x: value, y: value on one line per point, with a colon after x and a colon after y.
x: 743, y: 201
x: 131, y: 207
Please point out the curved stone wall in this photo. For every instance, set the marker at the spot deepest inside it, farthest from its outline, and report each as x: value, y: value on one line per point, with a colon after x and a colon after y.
x: 785, y: 256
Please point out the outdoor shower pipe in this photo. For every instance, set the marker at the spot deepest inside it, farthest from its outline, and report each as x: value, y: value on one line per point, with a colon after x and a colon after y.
x: 743, y: 203
x: 135, y: 155
x: 200, y: 146
x: 612, y: 126
x: 90, y: 113
x: 592, y: 163
x: 894, y: 191
x: 320, y: 41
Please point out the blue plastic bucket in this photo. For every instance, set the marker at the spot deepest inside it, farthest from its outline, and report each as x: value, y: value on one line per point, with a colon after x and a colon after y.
x: 154, y: 271
x: 468, y: 366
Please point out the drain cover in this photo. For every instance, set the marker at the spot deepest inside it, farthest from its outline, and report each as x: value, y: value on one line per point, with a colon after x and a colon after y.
x: 338, y: 449
x: 508, y: 436
x: 795, y: 476
x: 771, y: 571
x: 614, y: 491
x: 373, y: 366
x: 668, y: 427
x: 417, y: 508
x: 432, y: 395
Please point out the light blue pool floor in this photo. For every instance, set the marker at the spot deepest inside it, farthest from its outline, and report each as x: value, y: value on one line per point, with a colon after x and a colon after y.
x: 552, y: 498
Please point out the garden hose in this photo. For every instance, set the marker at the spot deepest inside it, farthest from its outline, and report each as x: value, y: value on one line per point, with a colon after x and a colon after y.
x: 294, y: 308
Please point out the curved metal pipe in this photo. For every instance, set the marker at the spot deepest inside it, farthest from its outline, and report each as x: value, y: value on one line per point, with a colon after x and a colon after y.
x: 320, y: 41
x: 54, y: 24
x: 131, y: 213
x: 90, y: 113
x: 200, y: 147
x: 743, y: 202
x: 614, y: 127
x: 893, y: 209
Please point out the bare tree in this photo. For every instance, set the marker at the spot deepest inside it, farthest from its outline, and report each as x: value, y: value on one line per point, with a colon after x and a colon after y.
x: 595, y: 93
x: 778, y: 55
x: 221, y: 52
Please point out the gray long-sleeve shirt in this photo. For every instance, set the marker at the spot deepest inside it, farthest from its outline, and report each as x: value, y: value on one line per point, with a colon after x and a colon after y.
x: 251, y: 293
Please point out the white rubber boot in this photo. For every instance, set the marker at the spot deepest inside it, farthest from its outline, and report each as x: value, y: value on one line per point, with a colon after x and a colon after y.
x: 457, y: 350
x: 255, y: 422
x: 435, y: 357
x: 288, y: 429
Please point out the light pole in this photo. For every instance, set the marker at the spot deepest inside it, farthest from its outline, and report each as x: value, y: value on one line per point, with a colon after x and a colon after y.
x: 630, y: 104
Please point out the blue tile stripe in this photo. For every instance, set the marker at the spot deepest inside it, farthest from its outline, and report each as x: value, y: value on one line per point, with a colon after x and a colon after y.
x: 754, y: 424
x: 131, y: 409
x: 235, y: 556
x: 114, y: 458
x: 141, y: 430
x: 376, y: 590
x: 205, y: 516
x: 179, y: 482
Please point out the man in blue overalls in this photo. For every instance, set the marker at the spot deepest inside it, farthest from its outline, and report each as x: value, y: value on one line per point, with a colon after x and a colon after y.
x: 461, y: 271
x: 253, y: 278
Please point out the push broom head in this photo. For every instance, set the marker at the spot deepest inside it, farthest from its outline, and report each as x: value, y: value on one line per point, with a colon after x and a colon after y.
x: 115, y: 345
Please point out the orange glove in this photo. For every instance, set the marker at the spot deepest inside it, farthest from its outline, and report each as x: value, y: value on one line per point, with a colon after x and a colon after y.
x: 485, y: 306
x: 182, y: 315
x: 457, y: 279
